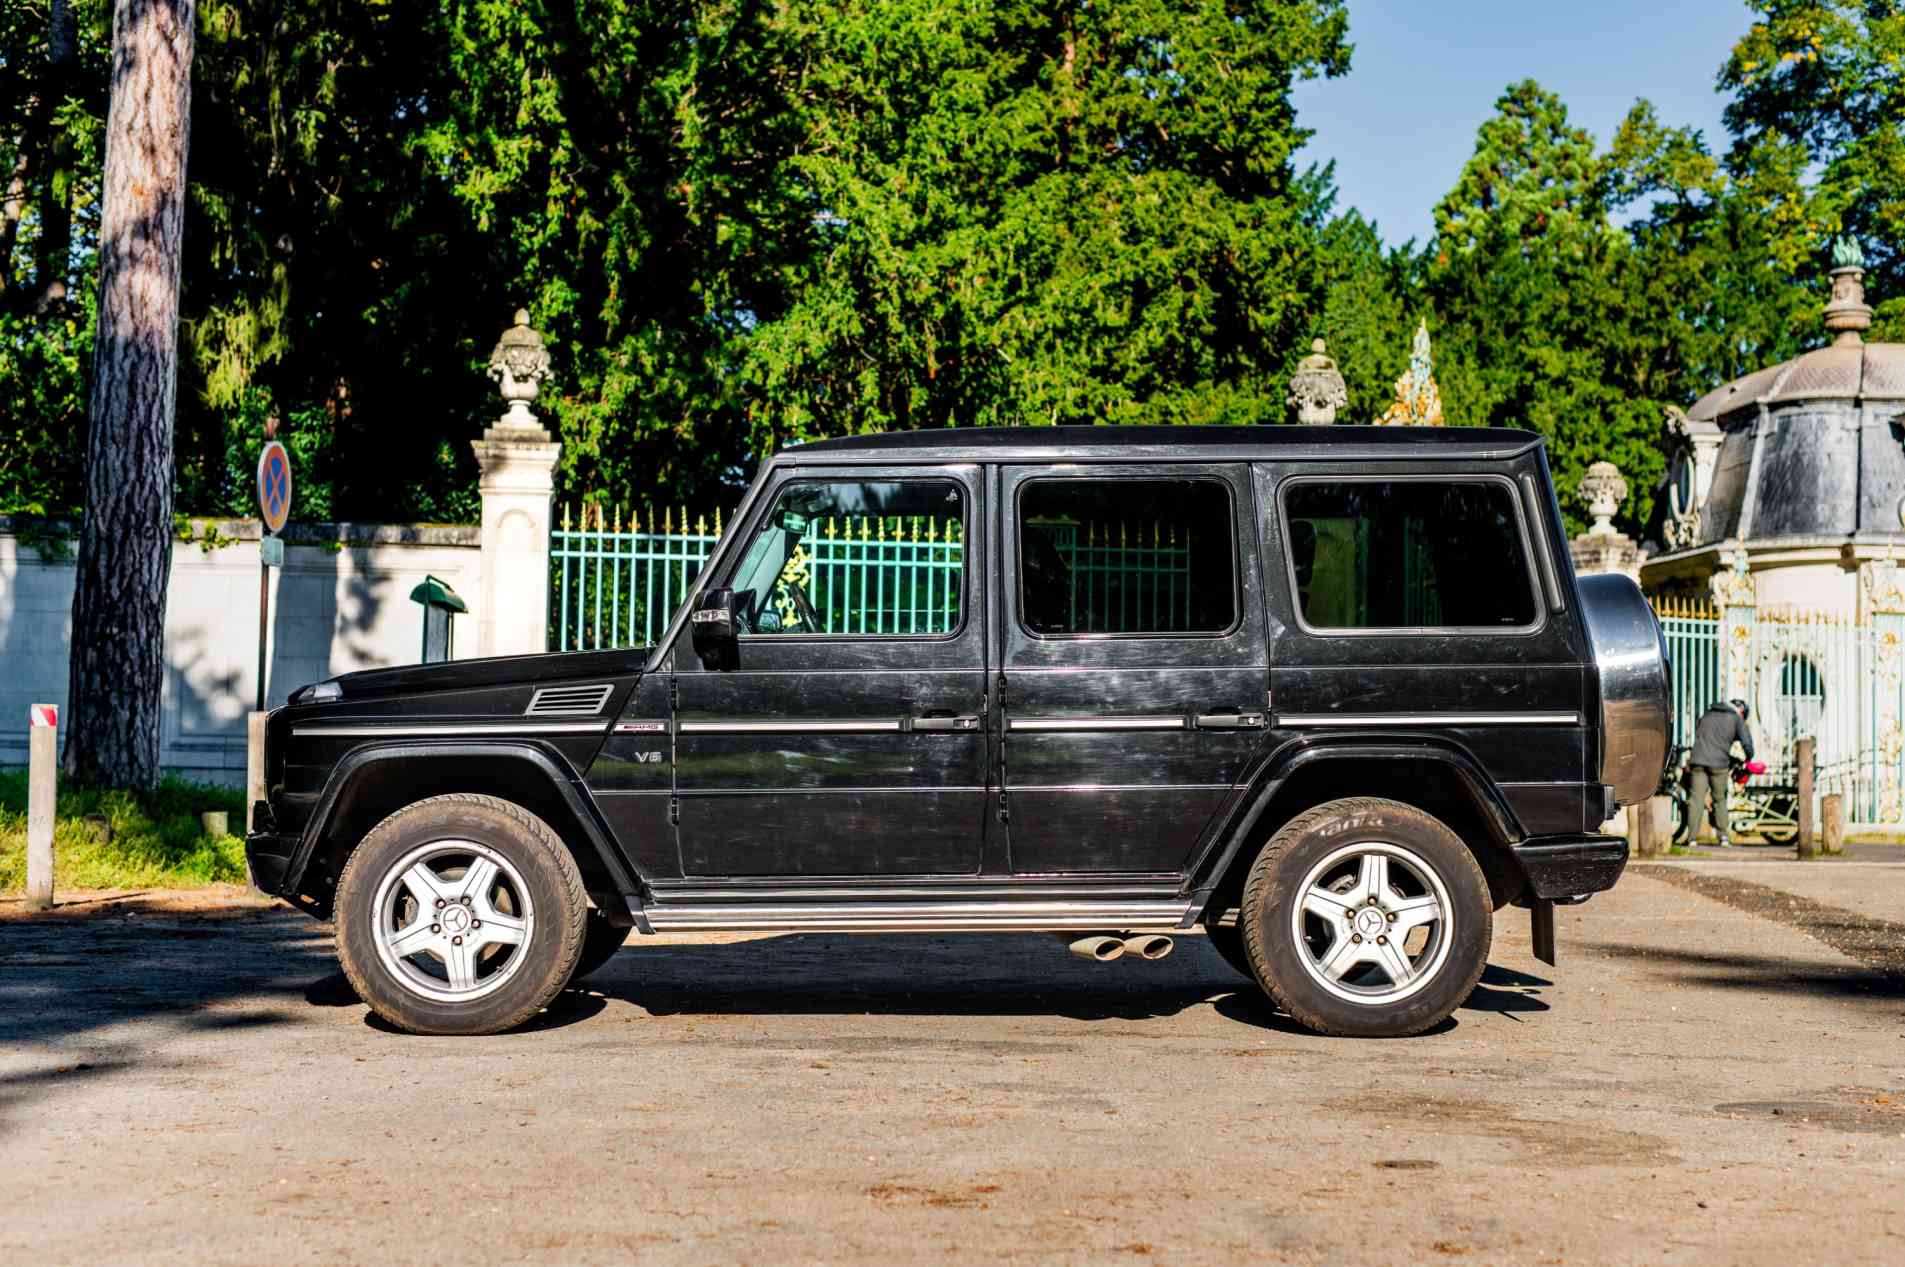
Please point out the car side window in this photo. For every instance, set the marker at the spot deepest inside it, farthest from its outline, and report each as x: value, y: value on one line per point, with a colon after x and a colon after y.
x: 1408, y: 554
x: 856, y: 557
x: 1130, y: 557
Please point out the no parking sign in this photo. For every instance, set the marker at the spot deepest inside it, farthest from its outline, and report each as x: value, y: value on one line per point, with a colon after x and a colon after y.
x: 274, y: 486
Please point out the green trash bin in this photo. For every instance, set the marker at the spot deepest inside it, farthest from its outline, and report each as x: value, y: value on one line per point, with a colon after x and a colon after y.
x: 440, y: 608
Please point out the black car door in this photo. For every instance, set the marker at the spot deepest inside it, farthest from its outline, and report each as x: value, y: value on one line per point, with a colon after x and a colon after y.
x: 1134, y: 661
x: 849, y: 737
x: 1410, y: 601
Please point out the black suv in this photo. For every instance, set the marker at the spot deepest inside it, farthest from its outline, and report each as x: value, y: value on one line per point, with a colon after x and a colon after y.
x: 1329, y: 696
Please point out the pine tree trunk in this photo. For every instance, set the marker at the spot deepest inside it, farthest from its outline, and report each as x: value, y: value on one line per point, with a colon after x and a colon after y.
x: 125, y: 546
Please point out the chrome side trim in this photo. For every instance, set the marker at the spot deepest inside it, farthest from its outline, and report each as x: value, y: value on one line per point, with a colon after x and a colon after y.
x: 524, y: 727
x: 1162, y: 788
x: 1320, y: 720
x: 865, y: 725
x: 874, y: 917
x: 582, y: 701
x: 1152, y: 721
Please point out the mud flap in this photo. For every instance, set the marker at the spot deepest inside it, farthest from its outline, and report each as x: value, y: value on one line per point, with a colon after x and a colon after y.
x: 1541, y: 927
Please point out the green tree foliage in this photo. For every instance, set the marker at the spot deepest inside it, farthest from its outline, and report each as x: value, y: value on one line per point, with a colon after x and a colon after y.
x: 1818, y: 119
x: 52, y: 116
x: 740, y: 223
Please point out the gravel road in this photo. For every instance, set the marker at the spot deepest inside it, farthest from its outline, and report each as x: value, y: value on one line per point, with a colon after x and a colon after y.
x: 1695, y: 1084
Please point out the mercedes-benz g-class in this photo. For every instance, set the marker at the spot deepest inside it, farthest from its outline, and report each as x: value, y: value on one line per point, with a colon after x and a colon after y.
x: 1332, y: 697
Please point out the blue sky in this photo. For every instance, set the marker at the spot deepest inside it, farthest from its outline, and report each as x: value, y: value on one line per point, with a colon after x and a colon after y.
x: 1426, y: 73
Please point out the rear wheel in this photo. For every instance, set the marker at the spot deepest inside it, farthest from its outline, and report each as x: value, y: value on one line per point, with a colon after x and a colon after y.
x: 460, y: 914
x: 1368, y: 918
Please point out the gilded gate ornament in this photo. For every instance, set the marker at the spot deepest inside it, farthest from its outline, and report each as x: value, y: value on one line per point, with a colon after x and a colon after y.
x: 1882, y: 605
x: 1733, y: 585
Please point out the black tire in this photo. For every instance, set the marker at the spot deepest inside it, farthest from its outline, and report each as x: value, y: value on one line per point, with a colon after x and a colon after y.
x: 600, y: 941
x: 1228, y: 941
x: 1417, y: 846
x: 553, y: 892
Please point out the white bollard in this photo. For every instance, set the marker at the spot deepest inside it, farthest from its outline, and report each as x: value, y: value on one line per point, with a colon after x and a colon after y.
x: 43, y: 752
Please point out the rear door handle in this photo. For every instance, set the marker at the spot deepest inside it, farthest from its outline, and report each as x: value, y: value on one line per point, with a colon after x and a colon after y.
x: 947, y: 721
x: 1230, y: 721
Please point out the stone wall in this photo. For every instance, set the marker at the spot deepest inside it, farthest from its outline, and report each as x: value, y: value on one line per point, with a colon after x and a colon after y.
x: 341, y: 602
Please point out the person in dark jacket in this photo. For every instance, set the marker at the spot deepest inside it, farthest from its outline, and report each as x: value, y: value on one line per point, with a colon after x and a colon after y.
x: 1719, y: 728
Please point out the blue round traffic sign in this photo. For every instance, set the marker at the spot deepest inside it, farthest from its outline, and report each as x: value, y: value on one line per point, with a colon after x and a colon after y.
x: 274, y: 486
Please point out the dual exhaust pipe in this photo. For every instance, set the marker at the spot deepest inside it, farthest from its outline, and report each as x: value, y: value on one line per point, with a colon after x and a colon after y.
x: 1105, y: 947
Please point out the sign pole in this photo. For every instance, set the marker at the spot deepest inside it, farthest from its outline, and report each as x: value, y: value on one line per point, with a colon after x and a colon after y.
x: 41, y: 795
x: 264, y: 615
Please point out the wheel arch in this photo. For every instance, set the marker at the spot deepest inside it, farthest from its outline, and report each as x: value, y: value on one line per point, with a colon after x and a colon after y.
x: 1436, y: 777
x: 373, y: 782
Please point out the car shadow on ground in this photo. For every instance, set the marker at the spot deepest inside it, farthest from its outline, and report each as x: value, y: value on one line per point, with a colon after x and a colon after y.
x: 902, y: 974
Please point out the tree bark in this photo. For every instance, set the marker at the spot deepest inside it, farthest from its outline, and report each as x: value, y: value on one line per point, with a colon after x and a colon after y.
x: 125, y: 547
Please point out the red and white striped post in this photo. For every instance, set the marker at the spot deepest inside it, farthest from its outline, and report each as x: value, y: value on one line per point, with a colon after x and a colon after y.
x: 42, y: 769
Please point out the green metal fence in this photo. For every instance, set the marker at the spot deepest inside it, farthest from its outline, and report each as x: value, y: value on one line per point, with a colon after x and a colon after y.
x: 616, y: 586
x: 616, y: 583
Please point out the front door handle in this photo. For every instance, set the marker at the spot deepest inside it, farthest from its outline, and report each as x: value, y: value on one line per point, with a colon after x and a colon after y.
x: 1230, y: 721
x: 947, y: 721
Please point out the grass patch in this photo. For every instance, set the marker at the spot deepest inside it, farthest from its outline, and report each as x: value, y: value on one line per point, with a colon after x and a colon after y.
x: 122, y: 840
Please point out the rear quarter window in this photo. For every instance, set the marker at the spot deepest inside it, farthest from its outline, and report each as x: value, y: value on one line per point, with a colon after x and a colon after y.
x: 1403, y: 554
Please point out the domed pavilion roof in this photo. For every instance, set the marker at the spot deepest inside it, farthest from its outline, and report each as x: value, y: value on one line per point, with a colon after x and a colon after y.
x: 1868, y: 371
x: 1809, y: 450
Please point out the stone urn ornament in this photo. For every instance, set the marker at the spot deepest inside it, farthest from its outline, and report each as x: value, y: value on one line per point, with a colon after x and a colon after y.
x: 519, y: 363
x: 1317, y: 389
x: 1603, y: 489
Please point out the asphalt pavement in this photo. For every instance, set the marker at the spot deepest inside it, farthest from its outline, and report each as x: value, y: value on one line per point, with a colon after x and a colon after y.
x: 1696, y: 1083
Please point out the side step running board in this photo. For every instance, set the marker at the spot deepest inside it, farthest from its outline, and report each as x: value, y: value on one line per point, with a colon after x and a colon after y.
x: 882, y: 917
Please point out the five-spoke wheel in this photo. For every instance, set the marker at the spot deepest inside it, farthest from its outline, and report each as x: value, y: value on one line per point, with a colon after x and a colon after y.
x: 452, y: 916
x: 1373, y: 922
x: 1366, y: 917
x: 460, y: 914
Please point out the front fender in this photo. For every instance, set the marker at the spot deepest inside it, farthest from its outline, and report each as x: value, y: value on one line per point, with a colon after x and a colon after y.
x: 1300, y: 755
x: 547, y: 765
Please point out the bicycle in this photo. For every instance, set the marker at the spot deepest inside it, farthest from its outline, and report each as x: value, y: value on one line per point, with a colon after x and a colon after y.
x: 1768, y: 810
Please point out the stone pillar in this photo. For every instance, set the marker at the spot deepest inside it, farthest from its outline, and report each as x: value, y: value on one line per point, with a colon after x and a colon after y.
x: 1737, y: 597
x: 1603, y: 547
x: 518, y: 458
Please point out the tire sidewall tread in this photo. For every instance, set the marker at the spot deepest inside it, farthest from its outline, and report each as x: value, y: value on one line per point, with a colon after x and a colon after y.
x: 546, y: 865
x: 1279, y: 868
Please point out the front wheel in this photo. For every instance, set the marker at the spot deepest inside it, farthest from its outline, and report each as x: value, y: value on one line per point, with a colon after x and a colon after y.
x: 460, y: 914
x: 1367, y: 918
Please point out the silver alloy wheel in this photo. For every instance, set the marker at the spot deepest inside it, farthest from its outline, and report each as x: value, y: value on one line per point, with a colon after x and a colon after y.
x: 451, y: 920
x: 1360, y: 909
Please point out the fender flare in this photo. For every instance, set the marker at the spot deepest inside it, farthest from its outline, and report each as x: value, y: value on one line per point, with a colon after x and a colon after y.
x: 1283, y: 764
x: 551, y: 766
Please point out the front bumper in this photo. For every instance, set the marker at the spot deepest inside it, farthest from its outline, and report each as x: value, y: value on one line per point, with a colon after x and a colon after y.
x: 268, y: 857
x: 1560, y: 867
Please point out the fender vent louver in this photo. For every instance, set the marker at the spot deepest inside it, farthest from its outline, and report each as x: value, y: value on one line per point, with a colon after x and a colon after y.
x: 569, y: 701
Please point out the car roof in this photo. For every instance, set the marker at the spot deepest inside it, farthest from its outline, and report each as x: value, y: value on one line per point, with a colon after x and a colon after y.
x: 1165, y: 444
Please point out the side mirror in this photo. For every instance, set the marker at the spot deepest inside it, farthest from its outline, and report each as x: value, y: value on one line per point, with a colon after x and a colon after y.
x: 712, y: 623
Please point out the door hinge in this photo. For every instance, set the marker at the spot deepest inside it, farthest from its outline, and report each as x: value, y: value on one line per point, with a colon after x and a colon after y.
x: 674, y: 693
x: 674, y: 811
x: 1005, y: 814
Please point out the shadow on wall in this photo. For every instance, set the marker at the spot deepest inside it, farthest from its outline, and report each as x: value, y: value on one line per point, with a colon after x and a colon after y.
x: 326, y: 609
x: 335, y: 609
x: 36, y: 614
